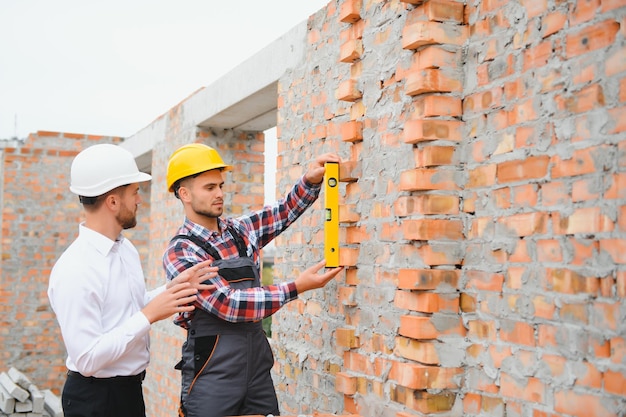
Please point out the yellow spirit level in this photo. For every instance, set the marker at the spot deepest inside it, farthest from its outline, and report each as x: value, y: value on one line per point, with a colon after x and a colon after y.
x: 331, y: 213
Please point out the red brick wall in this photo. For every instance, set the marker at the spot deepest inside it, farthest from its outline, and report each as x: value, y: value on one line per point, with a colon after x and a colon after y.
x: 481, y: 216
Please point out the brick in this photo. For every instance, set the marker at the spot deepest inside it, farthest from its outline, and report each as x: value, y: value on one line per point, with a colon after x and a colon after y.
x: 351, y: 131
x: 426, y: 302
x: 346, y: 384
x: 348, y: 213
x: 583, y: 161
x: 442, y: 11
x: 23, y: 407
x: 617, y: 187
x: 19, y: 378
x: 427, y: 279
x: 425, y: 204
x: 433, y: 57
x: 424, y: 377
x: 356, y: 235
x: 537, y: 56
x: 428, y: 179
x: 349, y: 171
x: 525, y: 224
x: 416, y: 350
x: 587, y: 99
x: 346, y: 338
x: 517, y: 332
x: 586, y: 190
x: 52, y: 404
x: 553, y: 23
x: 574, y: 313
x: 479, y: 329
x: 620, y: 282
x: 482, y: 176
x: 37, y: 398
x: 13, y: 389
x: 549, y: 250
x: 483, y: 100
x: 347, y: 296
x: 434, y: 156
x: 554, y: 193
x: 348, y: 257
x: 421, y: 34
x: 616, y: 62
x: 615, y: 382
x: 467, y: 303
x: 568, y: 281
x: 350, y: 11
x: 437, y: 105
x: 529, y: 389
x: 591, y: 38
x: 7, y: 402
x: 615, y: 248
x: 348, y: 91
x: 583, y: 220
x: 483, y: 280
x: 418, y: 327
x: 580, y: 404
x: 421, y: 401
x: 351, y: 51
x: 431, y: 229
x: 534, y: 167
x: 431, y: 80
x: 420, y: 130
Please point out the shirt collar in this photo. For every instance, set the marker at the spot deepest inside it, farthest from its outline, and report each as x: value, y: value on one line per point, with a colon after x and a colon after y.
x: 103, y: 244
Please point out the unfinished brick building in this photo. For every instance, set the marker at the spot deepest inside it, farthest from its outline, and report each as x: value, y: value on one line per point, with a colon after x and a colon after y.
x: 483, y: 209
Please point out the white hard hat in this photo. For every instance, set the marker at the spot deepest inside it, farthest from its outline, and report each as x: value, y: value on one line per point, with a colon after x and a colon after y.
x: 103, y: 167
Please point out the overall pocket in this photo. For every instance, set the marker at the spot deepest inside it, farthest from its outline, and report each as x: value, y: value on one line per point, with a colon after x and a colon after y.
x: 204, y: 347
x: 239, y: 277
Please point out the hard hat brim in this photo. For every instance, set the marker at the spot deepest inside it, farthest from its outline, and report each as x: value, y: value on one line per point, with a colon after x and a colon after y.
x: 106, y: 186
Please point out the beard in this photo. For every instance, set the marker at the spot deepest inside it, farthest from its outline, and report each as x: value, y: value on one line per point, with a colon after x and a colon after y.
x: 127, y: 218
x: 211, y: 212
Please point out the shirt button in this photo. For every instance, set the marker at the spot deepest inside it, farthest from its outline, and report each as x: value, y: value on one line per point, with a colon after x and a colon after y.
x: 197, y: 357
x: 193, y: 332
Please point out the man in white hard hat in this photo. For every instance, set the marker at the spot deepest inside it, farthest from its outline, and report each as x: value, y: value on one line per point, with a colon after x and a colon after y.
x: 227, y: 359
x: 97, y: 291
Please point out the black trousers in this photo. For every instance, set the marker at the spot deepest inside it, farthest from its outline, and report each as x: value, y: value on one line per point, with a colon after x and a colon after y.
x: 103, y: 397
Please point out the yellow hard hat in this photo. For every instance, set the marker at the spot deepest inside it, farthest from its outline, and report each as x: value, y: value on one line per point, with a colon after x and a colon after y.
x: 192, y: 159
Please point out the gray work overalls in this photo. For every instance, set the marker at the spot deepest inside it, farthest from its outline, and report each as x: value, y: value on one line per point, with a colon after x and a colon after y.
x: 226, y: 366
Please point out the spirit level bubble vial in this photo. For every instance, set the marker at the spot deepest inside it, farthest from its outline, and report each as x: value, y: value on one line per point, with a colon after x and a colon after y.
x: 331, y: 212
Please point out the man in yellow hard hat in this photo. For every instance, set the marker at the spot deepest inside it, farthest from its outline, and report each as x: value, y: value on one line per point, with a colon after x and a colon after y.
x: 97, y: 291
x: 226, y: 359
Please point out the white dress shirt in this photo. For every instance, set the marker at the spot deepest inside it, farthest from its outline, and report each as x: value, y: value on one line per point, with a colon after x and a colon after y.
x: 97, y: 290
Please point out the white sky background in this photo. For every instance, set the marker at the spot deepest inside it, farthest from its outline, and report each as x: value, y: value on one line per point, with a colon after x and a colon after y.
x: 112, y: 67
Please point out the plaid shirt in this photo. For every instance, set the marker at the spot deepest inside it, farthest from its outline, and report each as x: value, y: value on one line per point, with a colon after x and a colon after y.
x: 257, y: 229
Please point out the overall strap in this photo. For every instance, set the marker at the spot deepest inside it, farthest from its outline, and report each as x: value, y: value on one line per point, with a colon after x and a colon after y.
x: 241, y: 245
x: 206, y: 246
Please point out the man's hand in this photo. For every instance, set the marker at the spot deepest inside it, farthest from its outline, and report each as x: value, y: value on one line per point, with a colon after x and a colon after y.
x: 310, y: 279
x: 196, y: 275
x: 178, y: 298
x: 315, y: 174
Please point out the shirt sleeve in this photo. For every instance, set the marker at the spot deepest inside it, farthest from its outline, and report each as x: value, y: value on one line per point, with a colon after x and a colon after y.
x: 153, y: 293
x: 228, y: 304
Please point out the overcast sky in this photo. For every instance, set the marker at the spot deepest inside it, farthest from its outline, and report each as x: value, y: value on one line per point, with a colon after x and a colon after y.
x: 111, y: 67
